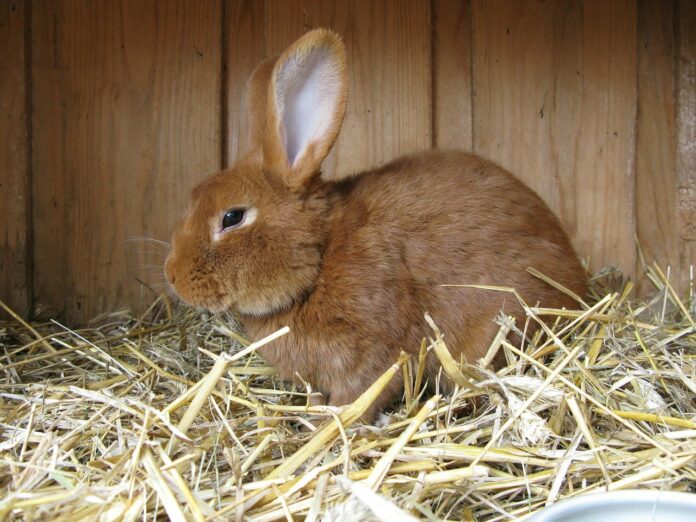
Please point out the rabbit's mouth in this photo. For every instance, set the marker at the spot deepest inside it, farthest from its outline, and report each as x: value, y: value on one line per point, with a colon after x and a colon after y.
x: 197, y: 288
x: 259, y: 304
x: 221, y: 303
x: 224, y: 304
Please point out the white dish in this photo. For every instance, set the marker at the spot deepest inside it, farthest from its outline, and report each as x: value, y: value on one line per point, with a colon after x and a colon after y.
x: 622, y: 506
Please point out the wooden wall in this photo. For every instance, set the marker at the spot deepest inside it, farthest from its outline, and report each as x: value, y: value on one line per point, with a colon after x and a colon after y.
x: 110, y: 111
x: 126, y: 116
x: 15, y: 189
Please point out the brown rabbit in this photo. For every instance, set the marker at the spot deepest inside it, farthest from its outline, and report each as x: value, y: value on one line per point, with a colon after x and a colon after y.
x: 352, y: 266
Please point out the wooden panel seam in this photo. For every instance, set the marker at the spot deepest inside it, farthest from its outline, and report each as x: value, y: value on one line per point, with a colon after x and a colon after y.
x: 472, y: 99
x: 686, y: 133
x: 224, y: 84
x: 15, y: 289
x: 29, y: 117
x: 433, y: 74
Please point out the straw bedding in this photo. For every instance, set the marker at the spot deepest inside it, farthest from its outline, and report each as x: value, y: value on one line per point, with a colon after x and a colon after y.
x: 173, y: 415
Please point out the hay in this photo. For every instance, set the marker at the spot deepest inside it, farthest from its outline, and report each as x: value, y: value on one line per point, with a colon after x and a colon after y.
x: 173, y: 415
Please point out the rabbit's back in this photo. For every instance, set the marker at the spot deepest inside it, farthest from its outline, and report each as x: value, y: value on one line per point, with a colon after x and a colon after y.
x: 455, y: 218
x: 398, y: 235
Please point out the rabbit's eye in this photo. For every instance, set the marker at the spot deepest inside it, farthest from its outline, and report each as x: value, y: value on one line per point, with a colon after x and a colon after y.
x: 232, y: 218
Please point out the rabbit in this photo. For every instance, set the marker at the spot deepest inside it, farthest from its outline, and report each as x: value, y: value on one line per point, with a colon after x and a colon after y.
x: 352, y: 266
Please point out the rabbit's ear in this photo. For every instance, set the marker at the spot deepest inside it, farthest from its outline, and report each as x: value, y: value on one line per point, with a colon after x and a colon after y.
x: 256, y: 101
x: 306, y: 104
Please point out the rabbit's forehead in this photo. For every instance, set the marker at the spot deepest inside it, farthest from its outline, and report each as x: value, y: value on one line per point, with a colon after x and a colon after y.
x: 226, y: 189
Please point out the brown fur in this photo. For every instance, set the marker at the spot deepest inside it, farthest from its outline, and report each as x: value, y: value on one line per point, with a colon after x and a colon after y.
x: 351, y: 267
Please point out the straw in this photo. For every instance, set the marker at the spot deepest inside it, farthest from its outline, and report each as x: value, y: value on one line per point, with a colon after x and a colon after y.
x: 174, y: 415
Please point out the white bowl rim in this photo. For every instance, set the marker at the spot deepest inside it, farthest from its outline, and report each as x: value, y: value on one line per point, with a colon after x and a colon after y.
x: 630, y: 496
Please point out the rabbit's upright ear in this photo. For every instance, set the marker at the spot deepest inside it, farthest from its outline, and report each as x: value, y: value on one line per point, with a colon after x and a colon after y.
x: 257, y: 100
x: 305, y: 106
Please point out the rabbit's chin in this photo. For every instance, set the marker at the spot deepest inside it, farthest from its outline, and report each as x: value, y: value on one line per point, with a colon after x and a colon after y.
x: 269, y: 305
x: 250, y: 303
x: 257, y: 308
x: 218, y: 306
x: 222, y: 306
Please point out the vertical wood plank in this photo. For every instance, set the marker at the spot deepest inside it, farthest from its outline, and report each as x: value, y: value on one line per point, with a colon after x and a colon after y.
x: 452, y: 96
x: 686, y: 136
x: 554, y: 102
x: 606, y: 159
x: 388, y: 46
x: 665, y: 155
x: 244, y: 49
x: 14, y: 168
x: 519, y: 51
x: 656, y: 183
x: 126, y: 119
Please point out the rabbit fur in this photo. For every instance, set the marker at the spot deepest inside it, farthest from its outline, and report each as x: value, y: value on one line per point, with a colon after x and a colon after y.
x: 351, y: 266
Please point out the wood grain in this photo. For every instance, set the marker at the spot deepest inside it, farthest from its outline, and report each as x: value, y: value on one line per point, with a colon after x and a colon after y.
x: 388, y: 46
x: 15, y: 261
x: 656, y: 182
x: 592, y: 103
x: 686, y: 137
x: 606, y: 158
x: 126, y: 119
x: 452, y: 81
x: 244, y: 49
x: 666, y: 133
x: 554, y: 102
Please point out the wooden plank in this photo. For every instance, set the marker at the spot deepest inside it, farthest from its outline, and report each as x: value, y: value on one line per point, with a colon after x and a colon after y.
x: 554, y: 102
x: 656, y: 181
x: 518, y: 49
x: 606, y: 155
x: 126, y: 119
x: 244, y: 49
x: 452, y: 96
x: 388, y: 46
x: 15, y: 262
x: 686, y: 138
x: 665, y: 157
